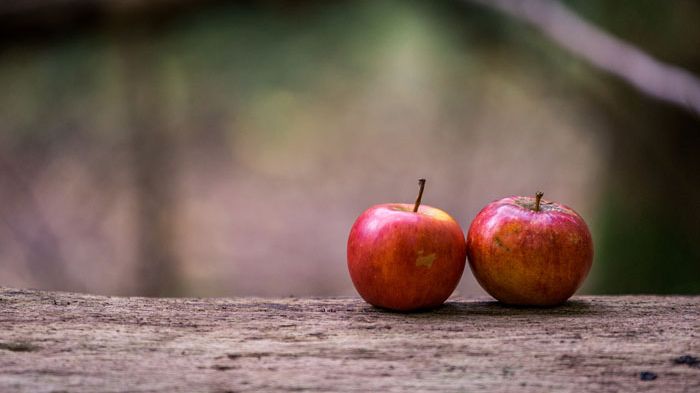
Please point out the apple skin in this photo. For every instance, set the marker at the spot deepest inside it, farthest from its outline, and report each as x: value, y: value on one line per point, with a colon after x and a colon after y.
x: 406, y: 261
x: 525, y: 257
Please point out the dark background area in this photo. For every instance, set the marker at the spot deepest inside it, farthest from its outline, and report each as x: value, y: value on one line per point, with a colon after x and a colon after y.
x: 216, y: 148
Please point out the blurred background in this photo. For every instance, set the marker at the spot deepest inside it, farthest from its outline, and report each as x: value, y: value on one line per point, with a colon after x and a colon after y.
x: 209, y: 148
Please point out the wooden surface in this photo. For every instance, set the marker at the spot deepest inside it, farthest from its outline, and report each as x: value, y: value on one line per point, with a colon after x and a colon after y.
x: 63, y: 342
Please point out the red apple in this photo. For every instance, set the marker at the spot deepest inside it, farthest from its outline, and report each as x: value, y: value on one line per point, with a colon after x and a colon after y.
x: 406, y: 257
x: 528, y: 251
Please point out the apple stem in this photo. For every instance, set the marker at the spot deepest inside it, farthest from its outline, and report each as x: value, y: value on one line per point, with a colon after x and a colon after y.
x: 538, y: 198
x: 421, y: 183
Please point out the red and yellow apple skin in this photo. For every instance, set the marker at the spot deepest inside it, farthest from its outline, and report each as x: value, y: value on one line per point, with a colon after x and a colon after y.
x: 406, y: 261
x: 521, y: 256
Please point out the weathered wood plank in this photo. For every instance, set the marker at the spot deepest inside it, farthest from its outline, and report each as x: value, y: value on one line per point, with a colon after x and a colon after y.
x: 55, y: 342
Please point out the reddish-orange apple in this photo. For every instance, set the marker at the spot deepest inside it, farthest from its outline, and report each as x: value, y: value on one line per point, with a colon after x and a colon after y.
x: 528, y: 251
x: 406, y: 257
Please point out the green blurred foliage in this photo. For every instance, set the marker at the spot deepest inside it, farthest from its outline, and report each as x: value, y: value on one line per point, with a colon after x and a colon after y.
x: 260, y: 72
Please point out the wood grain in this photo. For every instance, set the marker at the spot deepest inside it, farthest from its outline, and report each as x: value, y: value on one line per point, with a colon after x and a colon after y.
x: 65, y: 342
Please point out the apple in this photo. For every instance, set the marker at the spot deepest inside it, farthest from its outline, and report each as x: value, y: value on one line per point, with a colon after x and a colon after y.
x: 406, y: 257
x: 529, y: 251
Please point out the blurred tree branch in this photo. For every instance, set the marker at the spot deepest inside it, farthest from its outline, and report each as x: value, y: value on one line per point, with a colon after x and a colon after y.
x: 648, y: 75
